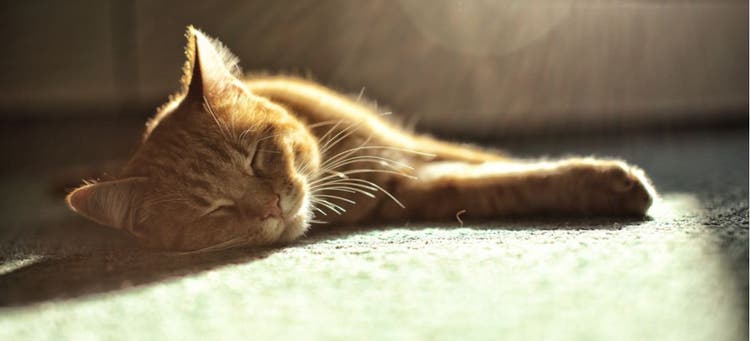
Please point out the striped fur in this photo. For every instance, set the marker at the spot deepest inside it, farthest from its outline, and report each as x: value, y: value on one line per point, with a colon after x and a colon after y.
x: 256, y: 160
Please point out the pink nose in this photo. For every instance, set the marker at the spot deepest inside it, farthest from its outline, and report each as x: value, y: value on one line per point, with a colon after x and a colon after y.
x: 271, y: 208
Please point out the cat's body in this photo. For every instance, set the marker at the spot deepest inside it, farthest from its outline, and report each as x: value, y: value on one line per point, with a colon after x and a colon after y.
x: 238, y: 160
x: 449, y: 177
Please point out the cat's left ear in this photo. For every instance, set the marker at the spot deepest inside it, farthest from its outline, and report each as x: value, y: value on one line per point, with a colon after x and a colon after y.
x: 210, y: 66
x: 110, y: 203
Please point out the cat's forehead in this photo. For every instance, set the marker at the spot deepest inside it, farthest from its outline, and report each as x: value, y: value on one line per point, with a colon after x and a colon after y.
x: 206, y: 179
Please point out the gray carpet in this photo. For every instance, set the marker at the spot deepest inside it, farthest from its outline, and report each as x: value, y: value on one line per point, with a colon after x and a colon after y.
x: 679, y: 275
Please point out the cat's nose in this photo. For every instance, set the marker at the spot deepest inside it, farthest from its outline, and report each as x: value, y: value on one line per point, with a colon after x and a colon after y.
x: 271, y: 208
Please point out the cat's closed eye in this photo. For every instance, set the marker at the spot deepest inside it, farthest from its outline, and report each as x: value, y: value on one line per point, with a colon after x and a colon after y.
x: 219, y: 207
x: 253, y: 155
x: 267, y: 158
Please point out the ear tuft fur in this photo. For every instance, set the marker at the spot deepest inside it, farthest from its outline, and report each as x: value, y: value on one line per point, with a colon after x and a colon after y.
x: 199, y: 41
x: 111, y: 203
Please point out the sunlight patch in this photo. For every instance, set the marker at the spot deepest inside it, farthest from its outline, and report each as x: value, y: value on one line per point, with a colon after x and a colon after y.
x: 673, y: 205
x: 16, y: 264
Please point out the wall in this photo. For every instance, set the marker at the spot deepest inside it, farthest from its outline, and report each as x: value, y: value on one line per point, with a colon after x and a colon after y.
x: 474, y: 66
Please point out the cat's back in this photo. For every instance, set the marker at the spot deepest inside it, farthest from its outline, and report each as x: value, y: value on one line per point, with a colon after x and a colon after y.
x: 312, y: 100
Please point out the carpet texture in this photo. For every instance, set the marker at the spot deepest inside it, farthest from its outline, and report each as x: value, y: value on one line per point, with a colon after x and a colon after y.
x: 679, y: 275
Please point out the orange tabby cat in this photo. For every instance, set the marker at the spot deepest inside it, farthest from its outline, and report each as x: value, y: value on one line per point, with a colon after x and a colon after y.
x: 252, y: 161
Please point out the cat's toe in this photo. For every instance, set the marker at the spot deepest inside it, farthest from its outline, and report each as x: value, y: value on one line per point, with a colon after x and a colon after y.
x: 611, y: 187
x: 619, y: 178
x: 631, y: 190
x: 638, y: 199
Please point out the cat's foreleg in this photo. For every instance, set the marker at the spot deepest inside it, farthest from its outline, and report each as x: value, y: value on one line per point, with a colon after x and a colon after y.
x: 583, y: 186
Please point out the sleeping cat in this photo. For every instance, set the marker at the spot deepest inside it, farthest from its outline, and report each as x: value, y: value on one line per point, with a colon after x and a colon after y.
x: 233, y: 160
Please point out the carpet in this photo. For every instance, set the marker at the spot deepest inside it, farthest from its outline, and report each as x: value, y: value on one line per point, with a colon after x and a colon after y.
x: 680, y: 274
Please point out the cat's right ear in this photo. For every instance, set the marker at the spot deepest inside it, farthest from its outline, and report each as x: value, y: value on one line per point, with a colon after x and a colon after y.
x: 210, y: 67
x: 111, y: 203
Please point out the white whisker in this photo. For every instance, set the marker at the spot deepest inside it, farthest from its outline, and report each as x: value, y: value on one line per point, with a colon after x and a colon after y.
x: 336, y: 197
x: 267, y: 137
x: 381, y: 190
x: 336, y: 187
x: 343, y: 154
x: 333, y: 207
x: 370, y: 158
x: 358, y: 171
x: 319, y: 210
x: 243, y: 135
x: 323, y: 123
x: 340, y: 136
x: 346, y: 182
x: 344, y: 189
x: 361, y: 93
x: 323, y: 140
x: 400, y: 149
x: 224, y: 130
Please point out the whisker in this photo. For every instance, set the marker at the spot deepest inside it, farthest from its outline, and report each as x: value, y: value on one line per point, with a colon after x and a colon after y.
x: 355, y: 182
x: 340, y: 136
x: 319, y: 210
x: 344, y: 189
x: 219, y: 125
x: 358, y: 171
x: 240, y: 139
x: 302, y: 168
x: 361, y: 92
x: 322, y: 124
x: 371, y: 158
x: 401, y: 149
x: 343, y: 154
x: 381, y: 190
x: 243, y: 135
x: 343, y: 182
x: 336, y: 197
x: 268, y: 137
x: 349, y: 184
x: 333, y: 207
x: 334, y: 188
x: 331, y: 130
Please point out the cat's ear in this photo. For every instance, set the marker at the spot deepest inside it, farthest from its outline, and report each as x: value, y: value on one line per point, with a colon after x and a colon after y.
x: 210, y: 66
x: 111, y: 203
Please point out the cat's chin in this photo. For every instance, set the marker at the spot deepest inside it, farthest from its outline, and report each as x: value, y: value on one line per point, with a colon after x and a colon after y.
x: 294, y: 227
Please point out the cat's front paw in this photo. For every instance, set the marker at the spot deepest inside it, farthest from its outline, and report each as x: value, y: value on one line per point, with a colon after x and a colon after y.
x: 612, y: 187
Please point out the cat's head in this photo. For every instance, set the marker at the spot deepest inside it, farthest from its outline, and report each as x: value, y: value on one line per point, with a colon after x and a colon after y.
x: 218, y: 166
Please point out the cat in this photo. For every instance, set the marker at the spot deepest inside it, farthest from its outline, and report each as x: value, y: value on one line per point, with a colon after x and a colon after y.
x: 255, y: 160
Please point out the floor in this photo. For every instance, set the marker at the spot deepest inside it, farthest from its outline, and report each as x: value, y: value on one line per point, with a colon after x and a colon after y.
x: 681, y: 274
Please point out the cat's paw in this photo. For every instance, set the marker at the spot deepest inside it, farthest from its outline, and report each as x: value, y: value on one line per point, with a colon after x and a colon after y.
x: 612, y: 187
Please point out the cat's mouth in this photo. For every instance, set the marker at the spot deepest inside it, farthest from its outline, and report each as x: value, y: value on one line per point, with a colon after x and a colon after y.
x: 295, y: 217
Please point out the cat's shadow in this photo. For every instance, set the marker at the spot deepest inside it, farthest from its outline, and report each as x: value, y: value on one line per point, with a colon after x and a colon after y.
x: 78, y: 259
x: 89, y: 260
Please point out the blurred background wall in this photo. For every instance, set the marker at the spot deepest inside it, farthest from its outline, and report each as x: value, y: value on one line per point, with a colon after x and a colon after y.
x: 461, y: 67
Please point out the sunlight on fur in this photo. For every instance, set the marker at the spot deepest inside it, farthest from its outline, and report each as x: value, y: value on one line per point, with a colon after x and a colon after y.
x: 235, y: 159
